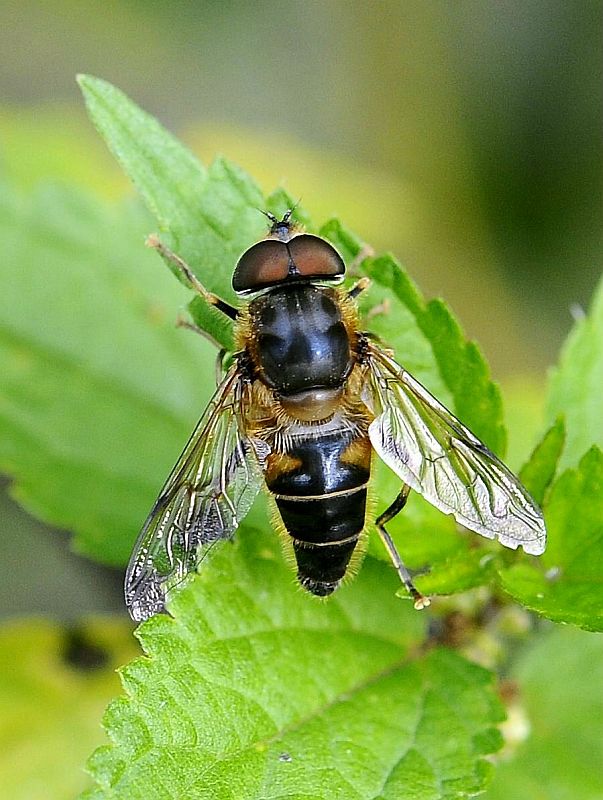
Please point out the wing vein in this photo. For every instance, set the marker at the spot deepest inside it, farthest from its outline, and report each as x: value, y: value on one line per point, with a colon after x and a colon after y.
x: 209, y: 491
x: 437, y: 456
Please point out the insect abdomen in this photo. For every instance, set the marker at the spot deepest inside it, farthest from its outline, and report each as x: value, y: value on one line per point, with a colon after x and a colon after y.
x: 319, y: 484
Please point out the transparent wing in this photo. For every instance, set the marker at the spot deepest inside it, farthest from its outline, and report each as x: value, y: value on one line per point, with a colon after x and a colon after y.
x: 208, y: 493
x: 437, y: 456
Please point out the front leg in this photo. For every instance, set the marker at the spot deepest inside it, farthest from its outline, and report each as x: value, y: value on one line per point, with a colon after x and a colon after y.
x: 182, y: 322
x: 359, y: 287
x: 211, y: 298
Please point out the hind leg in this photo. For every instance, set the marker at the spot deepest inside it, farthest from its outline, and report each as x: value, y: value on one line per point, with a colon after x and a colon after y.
x: 389, y: 514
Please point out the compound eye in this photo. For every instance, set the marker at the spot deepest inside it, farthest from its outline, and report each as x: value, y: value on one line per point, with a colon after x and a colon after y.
x: 315, y: 257
x: 264, y: 264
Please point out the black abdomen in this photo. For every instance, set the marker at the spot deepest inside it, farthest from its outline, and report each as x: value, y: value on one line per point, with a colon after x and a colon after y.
x: 319, y: 481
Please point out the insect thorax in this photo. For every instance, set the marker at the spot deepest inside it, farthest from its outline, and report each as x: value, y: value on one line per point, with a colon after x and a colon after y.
x: 301, y: 339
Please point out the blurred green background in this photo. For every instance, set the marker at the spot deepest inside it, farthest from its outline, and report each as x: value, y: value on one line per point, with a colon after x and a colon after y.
x: 462, y: 136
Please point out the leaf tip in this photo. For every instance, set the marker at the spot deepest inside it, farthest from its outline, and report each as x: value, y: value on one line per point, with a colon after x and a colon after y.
x: 90, y: 86
x: 85, y: 81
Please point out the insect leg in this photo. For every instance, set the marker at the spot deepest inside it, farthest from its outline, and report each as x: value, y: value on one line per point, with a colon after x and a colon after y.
x: 383, y: 308
x: 220, y: 365
x: 389, y: 514
x: 366, y: 251
x: 182, y: 322
x: 213, y: 299
x: 362, y: 284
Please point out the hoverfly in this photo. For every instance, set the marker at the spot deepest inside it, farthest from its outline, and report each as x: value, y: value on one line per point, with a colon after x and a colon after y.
x: 306, y: 401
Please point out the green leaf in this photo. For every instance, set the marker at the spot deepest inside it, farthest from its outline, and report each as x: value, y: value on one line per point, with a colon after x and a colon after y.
x: 564, y: 584
x: 207, y: 216
x: 475, y: 398
x: 257, y: 690
x: 458, y: 571
x: 559, y: 679
x: 575, y: 385
x: 538, y: 473
x: 157, y: 160
x: 54, y: 684
x: 100, y: 391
